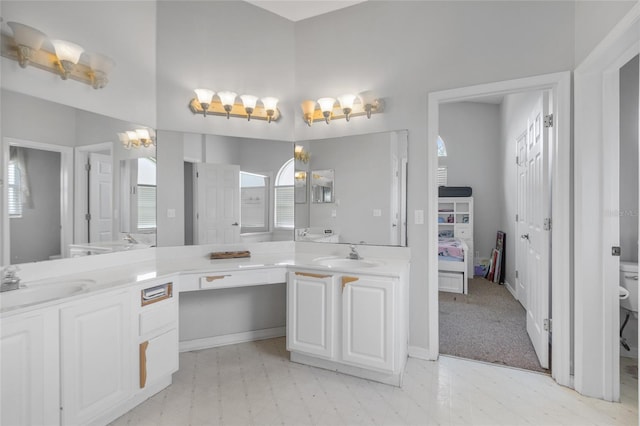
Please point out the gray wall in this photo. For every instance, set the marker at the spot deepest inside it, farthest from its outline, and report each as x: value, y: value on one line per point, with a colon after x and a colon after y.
x: 471, y: 131
x: 629, y: 161
x: 36, y: 235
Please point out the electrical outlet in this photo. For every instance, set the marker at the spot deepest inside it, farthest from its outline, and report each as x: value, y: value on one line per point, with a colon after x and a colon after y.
x: 418, y: 217
x: 377, y: 212
x: 477, y: 254
x: 334, y: 213
x: 171, y: 213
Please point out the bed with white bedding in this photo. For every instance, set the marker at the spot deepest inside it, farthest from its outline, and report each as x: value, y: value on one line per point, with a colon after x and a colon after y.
x: 452, y: 265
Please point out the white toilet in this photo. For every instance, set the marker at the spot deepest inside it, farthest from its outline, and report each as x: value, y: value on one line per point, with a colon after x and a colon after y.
x: 629, y: 280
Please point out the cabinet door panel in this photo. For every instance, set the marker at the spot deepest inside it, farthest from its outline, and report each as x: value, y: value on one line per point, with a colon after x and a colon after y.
x: 160, y: 358
x: 29, y: 373
x: 368, y: 323
x: 97, y: 354
x: 310, y: 314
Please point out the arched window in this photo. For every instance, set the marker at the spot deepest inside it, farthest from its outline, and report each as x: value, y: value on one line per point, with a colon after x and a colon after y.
x: 283, y: 214
x: 442, y: 169
x: 442, y: 148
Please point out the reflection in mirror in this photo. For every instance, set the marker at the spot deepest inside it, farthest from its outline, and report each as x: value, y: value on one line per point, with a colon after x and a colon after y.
x: 237, y: 189
x: 64, y: 185
x: 370, y: 205
x: 138, y: 195
x: 322, y: 186
x: 300, y: 185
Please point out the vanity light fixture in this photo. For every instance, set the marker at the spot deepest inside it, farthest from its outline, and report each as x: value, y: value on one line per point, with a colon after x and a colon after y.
x: 300, y: 154
x: 26, y: 47
x: 28, y: 40
x: 326, y: 106
x: 249, y: 102
x: 227, y: 99
x: 137, y: 138
x: 349, y: 105
x: 224, y: 104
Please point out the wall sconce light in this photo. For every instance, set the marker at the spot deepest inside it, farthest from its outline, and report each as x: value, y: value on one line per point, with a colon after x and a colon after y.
x: 349, y: 106
x: 224, y: 104
x: 26, y: 48
x: 300, y: 154
x: 136, y: 138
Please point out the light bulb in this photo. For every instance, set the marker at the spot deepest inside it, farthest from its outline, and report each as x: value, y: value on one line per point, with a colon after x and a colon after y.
x: 346, y: 103
x: 28, y: 40
x: 204, y: 98
x: 227, y: 99
x: 68, y: 54
x: 249, y: 102
x: 308, y: 108
x: 326, y: 106
x: 270, y: 105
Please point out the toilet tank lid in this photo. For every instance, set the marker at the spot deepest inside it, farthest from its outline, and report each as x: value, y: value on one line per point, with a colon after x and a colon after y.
x: 629, y: 266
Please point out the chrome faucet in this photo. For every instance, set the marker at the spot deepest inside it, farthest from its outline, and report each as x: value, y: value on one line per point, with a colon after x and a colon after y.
x: 128, y: 238
x: 10, y: 279
x: 353, y: 255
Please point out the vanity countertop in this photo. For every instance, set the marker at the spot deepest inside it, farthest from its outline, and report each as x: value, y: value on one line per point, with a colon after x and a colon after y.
x: 93, y: 275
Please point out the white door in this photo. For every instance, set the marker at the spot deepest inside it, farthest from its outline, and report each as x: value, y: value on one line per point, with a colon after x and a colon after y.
x: 97, y: 352
x: 310, y: 317
x: 368, y: 322
x: 522, y: 244
x: 538, y: 211
x: 218, y: 203
x: 100, y: 197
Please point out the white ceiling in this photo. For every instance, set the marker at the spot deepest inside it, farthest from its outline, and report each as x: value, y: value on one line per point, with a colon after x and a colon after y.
x: 296, y: 10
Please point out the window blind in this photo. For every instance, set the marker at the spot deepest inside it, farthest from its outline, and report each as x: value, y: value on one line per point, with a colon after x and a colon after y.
x: 284, y: 207
x: 14, y: 191
x: 146, y: 207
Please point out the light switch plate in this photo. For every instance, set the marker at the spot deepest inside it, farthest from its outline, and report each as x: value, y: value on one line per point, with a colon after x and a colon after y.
x: 418, y: 217
x: 377, y: 212
x: 334, y: 213
x: 171, y: 212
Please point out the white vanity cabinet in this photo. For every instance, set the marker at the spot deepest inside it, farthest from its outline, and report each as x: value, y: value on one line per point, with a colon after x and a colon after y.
x: 157, y: 336
x: 368, y: 321
x: 311, y: 319
x: 96, y: 347
x: 29, y: 356
x: 352, y: 323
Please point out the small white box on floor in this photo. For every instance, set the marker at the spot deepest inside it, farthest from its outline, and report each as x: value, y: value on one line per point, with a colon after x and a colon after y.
x: 451, y: 282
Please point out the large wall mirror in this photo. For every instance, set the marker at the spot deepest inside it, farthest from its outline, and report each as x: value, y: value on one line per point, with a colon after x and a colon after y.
x: 357, y: 189
x: 237, y: 189
x: 72, y: 187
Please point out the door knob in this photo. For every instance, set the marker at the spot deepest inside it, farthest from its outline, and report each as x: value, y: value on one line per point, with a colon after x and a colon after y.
x: 524, y: 236
x: 234, y: 224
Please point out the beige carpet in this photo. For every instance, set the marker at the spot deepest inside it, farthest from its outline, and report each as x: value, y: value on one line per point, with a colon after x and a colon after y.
x: 487, y: 324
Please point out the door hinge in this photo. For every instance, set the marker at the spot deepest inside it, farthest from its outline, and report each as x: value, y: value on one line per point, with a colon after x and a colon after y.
x: 197, y: 174
x: 87, y: 167
x: 87, y: 216
x: 517, y: 160
x: 516, y: 274
x: 615, y: 251
x: 547, y: 325
x: 548, y: 120
x: 547, y: 224
x: 517, y: 217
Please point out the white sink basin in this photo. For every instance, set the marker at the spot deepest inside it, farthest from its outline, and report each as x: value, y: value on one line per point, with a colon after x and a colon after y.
x: 32, y: 294
x: 341, y: 262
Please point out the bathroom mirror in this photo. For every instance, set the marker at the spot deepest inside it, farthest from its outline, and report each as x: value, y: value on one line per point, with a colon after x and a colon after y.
x: 138, y: 195
x: 300, y: 184
x: 322, y: 186
x: 64, y: 186
x: 369, y: 206
x: 262, y: 200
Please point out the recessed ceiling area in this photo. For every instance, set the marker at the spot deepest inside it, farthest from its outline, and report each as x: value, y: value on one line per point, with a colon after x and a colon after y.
x: 297, y: 10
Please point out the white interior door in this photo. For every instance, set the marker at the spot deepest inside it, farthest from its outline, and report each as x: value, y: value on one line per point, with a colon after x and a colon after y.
x: 537, y: 212
x: 100, y: 197
x: 522, y: 244
x: 218, y: 203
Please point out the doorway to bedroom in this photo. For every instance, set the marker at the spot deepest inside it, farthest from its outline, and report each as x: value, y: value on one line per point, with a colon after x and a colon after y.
x: 493, y: 246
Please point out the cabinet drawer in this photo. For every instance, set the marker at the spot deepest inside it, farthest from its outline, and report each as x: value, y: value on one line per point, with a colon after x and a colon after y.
x: 158, y: 357
x: 463, y: 232
x: 157, y: 317
x: 242, y: 278
x: 451, y: 282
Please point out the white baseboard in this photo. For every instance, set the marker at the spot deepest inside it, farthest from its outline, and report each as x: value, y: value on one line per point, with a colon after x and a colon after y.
x: 421, y: 353
x: 231, y: 339
x: 511, y: 289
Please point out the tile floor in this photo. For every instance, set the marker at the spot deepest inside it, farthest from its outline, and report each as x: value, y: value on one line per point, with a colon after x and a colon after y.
x: 256, y: 384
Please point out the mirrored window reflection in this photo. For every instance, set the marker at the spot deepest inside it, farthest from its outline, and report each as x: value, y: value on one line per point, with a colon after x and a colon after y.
x: 254, y: 206
x: 146, y: 193
x: 284, y: 190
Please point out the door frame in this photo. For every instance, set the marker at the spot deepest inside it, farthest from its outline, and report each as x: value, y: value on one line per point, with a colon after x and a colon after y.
x: 596, y: 117
x: 66, y: 193
x: 559, y: 86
